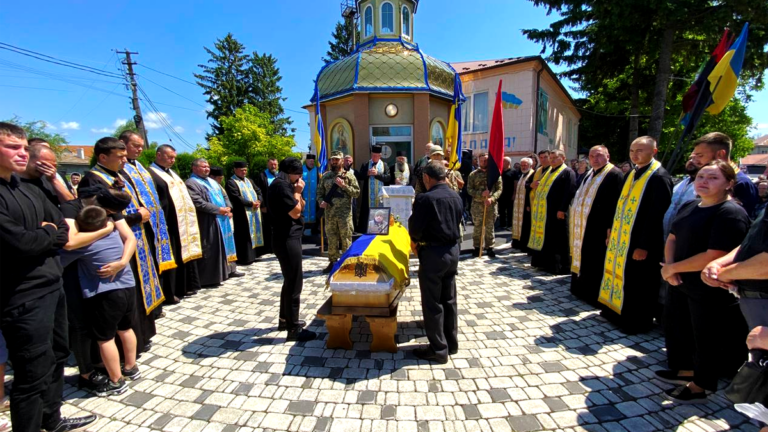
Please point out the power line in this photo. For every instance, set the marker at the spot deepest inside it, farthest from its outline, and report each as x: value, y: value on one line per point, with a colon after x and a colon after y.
x: 168, y: 75
x: 35, y: 88
x: 161, y: 118
x: 169, y: 90
x: 49, y: 59
x: 86, y: 92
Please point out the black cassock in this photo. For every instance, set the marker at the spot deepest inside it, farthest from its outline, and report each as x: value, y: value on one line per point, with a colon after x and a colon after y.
x: 184, y: 279
x: 213, y: 266
x: 525, y: 230
x: 246, y: 253
x: 266, y: 217
x: 144, y: 325
x: 643, y: 278
x: 586, y: 285
x: 362, y: 180
x: 555, y: 254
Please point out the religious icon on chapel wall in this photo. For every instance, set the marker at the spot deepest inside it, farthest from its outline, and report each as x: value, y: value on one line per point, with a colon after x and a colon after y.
x: 378, y: 220
x: 341, y: 137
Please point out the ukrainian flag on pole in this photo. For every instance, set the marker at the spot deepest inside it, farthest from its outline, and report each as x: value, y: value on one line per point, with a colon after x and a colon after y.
x: 322, y: 153
x: 453, y: 136
x: 725, y: 77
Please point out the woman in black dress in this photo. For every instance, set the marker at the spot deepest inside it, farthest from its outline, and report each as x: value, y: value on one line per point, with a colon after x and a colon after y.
x: 705, y: 330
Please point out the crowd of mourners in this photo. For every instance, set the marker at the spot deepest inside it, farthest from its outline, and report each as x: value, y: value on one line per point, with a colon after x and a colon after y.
x: 87, y: 263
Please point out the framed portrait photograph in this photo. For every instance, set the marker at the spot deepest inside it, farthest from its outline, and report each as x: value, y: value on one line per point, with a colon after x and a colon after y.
x: 378, y: 221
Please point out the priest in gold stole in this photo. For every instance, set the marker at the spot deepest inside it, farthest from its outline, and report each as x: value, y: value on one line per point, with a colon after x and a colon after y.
x: 591, y: 217
x: 631, y: 278
x: 549, y: 226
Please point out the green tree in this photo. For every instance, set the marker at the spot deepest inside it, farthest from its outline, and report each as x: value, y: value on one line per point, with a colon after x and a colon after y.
x: 266, y: 94
x: 38, y: 129
x: 148, y: 155
x: 342, y: 42
x: 248, y: 135
x: 127, y: 125
x: 225, y: 80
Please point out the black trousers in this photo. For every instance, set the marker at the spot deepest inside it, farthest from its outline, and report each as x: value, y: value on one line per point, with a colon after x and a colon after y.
x: 36, y: 334
x: 505, y: 211
x: 289, y: 256
x: 704, y: 335
x: 438, y: 266
x: 79, y: 329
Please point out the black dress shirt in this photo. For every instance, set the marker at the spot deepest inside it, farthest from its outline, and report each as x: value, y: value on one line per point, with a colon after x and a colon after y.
x: 436, y: 216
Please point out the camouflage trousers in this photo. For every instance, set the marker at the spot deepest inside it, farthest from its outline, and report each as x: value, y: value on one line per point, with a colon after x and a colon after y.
x: 477, y: 223
x: 339, y: 231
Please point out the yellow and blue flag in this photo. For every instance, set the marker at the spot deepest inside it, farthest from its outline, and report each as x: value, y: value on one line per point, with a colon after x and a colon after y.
x: 725, y: 77
x: 322, y: 152
x: 389, y: 252
x: 453, y: 136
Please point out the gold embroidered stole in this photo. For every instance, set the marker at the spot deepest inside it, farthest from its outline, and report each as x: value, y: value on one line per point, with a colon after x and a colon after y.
x: 539, y: 209
x: 518, y: 210
x: 582, y: 205
x: 186, y: 216
x: 612, y: 287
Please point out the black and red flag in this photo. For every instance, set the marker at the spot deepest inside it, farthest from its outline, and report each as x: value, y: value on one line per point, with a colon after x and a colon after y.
x: 496, y: 142
x: 699, y: 90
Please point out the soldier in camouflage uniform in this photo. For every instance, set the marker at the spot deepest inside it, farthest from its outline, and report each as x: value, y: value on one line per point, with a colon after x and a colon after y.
x: 340, y: 187
x: 435, y: 153
x: 482, y: 197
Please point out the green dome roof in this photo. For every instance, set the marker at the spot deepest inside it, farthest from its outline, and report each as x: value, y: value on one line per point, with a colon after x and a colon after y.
x: 391, y: 66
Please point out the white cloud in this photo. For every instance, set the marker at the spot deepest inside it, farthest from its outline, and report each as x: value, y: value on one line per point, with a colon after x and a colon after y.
x: 760, y: 126
x: 199, y: 131
x: 119, y: 122
x: 70, y: 125
x: 49, y: 126
x: 154, y: 120
x: 178, y: 129
x: 102, y: 130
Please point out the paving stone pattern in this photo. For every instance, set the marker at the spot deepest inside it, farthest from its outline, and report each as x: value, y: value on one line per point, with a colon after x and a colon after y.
x: 531, y: 358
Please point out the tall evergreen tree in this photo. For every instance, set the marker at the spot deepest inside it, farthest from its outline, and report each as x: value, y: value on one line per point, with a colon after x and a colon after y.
x: 225, y: 79
x: 266, y: 93
x: 342, y: 43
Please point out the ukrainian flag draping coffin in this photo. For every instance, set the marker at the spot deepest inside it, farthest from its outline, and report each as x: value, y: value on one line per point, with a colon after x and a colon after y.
x: 373, y: 270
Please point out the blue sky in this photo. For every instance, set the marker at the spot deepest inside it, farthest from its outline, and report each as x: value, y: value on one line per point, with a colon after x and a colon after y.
x: 170, y: 37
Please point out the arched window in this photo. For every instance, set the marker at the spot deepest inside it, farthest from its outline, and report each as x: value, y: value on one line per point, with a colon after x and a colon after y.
x: 387, y: 18
x: 406, y: 13
x: 437, y: 133
x: 368, y: 21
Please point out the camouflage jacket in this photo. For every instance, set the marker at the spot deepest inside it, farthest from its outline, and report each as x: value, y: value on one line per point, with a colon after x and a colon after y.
x: 478, y: 183
x: 451, y: 178
x: 341, y: 205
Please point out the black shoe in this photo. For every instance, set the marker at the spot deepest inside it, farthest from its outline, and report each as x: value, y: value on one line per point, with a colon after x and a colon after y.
x: 329, y: 268
x: 282, y: 326
x: 161, y: 315
x: 684, y: 395
x: 429, y: 355
x: 672, y: 377
x: 300, y: 335
x: 72, y: 424
x: 109, y: 388
x: 490, y: 253
x: 453, y: 351
x: 236, y: 274
x: 476, y: 253
x: 191, y: 293
x: 94, y: 380
x: 131, y: 374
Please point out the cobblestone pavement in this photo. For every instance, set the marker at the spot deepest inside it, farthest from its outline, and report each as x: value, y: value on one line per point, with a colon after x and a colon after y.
x: 532, y: 358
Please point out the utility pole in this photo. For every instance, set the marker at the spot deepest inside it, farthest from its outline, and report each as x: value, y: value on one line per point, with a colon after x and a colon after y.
x: 131, y: 78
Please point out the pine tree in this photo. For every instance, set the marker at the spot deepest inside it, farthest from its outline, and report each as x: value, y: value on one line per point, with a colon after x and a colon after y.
x: 342, y: 43
x: 266, y: 93
x: 225, y: 79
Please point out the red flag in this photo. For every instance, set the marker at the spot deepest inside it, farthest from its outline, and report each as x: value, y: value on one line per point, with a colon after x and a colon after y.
x: 496, y: 142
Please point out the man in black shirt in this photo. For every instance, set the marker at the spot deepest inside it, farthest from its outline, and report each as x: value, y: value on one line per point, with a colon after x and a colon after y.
x: 507, y: 194
x: 41, y: 173
x: 286, y: 204
x: 34, y: 317
x: 434, y: 230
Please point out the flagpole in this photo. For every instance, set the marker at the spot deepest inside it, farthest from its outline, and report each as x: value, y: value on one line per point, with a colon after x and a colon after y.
x: 322, y: 232
x: 482, y: 232
x: 686, y: 138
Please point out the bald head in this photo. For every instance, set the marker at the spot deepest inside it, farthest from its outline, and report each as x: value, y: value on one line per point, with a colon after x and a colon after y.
x: 642, y: 151
x: 39, y: 153
x: 598, y: 156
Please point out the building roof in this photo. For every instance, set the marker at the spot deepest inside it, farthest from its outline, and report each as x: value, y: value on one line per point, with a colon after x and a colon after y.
x: 72, y: 159
x: 763, y: 140
x: 72, y: 149
x: 386, y: 66
x: 758, y: 159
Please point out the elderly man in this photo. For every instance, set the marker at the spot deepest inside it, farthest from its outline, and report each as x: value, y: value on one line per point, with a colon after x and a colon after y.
x: 506, y: 200
x: 426, y: 158
x: 549, y: 227
x: 402, y: 172
x: 434, y: 230
x: 483, y: 206
x: 213, y: 213
x: 246, y: 199
x: 521, y: 218
x: 630, y: 284
x: 41, y: 173
x: 181, y: 221
x: 335, y: 193
x: 372, y: 177
x: 435, y: 154
x: 591, y: 217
